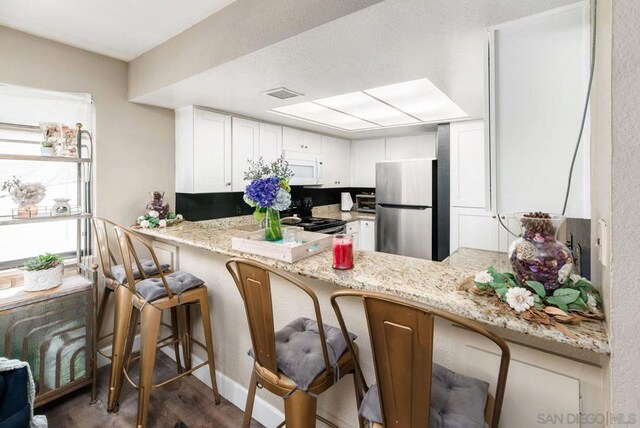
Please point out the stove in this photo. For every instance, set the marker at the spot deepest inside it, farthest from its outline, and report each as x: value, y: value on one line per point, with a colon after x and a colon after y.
x: 301, y: 208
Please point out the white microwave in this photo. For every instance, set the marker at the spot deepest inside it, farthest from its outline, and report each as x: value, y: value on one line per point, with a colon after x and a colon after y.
x: 306, y: 168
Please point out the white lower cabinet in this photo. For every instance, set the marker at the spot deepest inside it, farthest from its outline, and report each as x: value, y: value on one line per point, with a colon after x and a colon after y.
x: 353, y: 229
x: 367, y: 238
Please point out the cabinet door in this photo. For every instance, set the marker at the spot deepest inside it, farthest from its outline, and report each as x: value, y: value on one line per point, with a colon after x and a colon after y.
x: 211, y: 152
x: 301, y: 141
x: 364, y: 156
x: 270, y: 142
x: 411, y: 147
x: 367, y: 235
x: 245, y: 144
x: 473, y: 228
x: 337, y: 162
x: 469, y: 172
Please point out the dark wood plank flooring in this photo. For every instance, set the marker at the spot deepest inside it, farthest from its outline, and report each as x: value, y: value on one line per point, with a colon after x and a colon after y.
x: 185, y: 403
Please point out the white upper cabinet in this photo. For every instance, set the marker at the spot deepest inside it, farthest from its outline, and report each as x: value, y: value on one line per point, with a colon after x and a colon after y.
x: 252, y: 140
x: 337, y: 162
x: 270, y: 142
x: 296, y: 140
x: 411, y: 147
x: 469, y: 165
x: 246, y: 137
x: 203, y: 151
x: 365, y: 154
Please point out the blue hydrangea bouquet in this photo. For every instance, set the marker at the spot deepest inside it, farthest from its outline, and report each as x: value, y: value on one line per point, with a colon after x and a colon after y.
x: 269, y: 193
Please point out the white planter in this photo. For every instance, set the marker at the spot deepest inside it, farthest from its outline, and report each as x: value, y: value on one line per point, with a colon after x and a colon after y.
x: 38, y: 280
x: 46, y: 151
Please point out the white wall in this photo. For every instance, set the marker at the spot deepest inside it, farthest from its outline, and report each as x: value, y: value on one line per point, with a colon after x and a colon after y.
x: 624, y: 322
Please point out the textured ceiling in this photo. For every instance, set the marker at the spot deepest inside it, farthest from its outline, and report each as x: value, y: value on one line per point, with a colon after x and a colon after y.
x: 393, y: 41
x: 120, y: 29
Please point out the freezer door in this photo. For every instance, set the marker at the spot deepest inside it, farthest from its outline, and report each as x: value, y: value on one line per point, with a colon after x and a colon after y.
x: 405, y: 182
x: 404, y: 231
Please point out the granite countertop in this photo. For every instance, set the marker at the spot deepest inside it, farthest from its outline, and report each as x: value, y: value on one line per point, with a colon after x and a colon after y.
x: 435, y: 284
x: 333, y: 211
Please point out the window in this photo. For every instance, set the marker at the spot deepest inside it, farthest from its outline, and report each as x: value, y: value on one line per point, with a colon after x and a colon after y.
x: 30, y: 107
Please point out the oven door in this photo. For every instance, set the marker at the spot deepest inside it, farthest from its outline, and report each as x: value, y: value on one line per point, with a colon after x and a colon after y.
x: 306, y: 168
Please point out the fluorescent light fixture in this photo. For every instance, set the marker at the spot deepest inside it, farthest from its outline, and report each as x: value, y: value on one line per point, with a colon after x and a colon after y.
x: 419, y: 98
x: 324, y: 116
x: 361, y: 105
x: 399, y: 104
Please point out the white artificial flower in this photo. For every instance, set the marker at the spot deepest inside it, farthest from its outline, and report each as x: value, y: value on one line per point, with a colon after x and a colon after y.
x: 154, y: 213
x: 141, y: 218
x: 144, y: 224
x: 162, y: 223
x: 593, y: 304
x: 483, y: 277
x: 575, y: 277
x: 519, y: 298
x: 179, y: 217
x: 564, y: 273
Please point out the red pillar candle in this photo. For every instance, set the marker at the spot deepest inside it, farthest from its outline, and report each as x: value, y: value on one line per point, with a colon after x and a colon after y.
x: 342, y: 252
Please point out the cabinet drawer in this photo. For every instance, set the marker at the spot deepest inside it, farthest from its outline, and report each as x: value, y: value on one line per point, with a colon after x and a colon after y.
x: 352, y: 227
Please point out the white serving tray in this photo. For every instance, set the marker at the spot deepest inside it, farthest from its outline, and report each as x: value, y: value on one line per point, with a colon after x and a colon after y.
x: 254, y: 243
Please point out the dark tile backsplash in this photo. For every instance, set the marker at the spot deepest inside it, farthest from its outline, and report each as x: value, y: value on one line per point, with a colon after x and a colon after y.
x: 206, y: 206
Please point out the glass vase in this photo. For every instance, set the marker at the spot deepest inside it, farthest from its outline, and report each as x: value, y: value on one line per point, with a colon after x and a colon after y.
x: 538, y: 255
x: 158, y: 204
x: 272, y: 228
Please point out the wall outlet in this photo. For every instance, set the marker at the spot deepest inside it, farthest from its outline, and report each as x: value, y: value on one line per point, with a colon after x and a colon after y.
x: 602, y: 242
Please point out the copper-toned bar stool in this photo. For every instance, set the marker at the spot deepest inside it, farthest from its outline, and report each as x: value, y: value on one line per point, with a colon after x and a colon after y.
x: 410, y: 390
x: 149, y: 298
x: 319, y: 355
x: 115, y: 276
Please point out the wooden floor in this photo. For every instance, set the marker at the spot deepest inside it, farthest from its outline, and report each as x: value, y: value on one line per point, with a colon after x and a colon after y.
x: 184, y: 403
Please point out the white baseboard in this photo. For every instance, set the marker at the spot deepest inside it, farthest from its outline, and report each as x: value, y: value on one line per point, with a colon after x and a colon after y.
x: 263, y: 412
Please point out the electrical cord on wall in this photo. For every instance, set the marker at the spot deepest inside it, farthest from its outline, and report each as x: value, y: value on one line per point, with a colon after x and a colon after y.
x: 584, y: 115
x: 586, y: 104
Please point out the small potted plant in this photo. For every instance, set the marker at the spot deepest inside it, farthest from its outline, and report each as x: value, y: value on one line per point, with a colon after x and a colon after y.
x: 43, y: 272
x: 47, y: 148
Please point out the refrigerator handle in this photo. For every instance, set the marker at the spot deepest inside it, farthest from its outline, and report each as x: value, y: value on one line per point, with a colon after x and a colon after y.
x: 406, y: 207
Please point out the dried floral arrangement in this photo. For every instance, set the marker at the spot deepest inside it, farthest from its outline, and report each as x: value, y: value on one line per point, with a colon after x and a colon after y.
x: 23, y: 194
x: 575, y: 301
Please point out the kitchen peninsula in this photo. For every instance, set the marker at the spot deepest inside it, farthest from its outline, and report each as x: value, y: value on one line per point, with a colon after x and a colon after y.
x: 539, y: 353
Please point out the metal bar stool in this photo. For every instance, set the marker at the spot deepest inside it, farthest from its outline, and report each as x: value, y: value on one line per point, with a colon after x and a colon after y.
x: 270, y: 348
x: 409, y: 386
x: 114, y: 276
x: 149, y: 298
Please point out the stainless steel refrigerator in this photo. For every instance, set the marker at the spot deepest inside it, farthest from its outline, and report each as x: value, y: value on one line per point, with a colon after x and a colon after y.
x: 404, y: 207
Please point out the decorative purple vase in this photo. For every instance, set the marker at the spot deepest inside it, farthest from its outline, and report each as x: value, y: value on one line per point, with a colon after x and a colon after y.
x: 538, y: 255
x: 158, y: 204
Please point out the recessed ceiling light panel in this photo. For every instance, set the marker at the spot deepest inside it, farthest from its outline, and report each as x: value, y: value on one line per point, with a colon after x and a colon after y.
x: 419, y: 98
x: 316, y: 113
x: 399, y: 104
x: 363, y: 106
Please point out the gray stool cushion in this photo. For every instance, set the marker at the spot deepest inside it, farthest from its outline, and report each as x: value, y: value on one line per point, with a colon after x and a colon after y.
x: 457, y: 401
x: 299, y: 352
x: 152, y: 288
x: 148, y: 266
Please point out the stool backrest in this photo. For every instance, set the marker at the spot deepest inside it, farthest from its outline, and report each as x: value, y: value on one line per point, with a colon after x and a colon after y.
x: 126, y: 241
x: 254, y: 284
x: 107, y: 259
x: 401, y: 334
